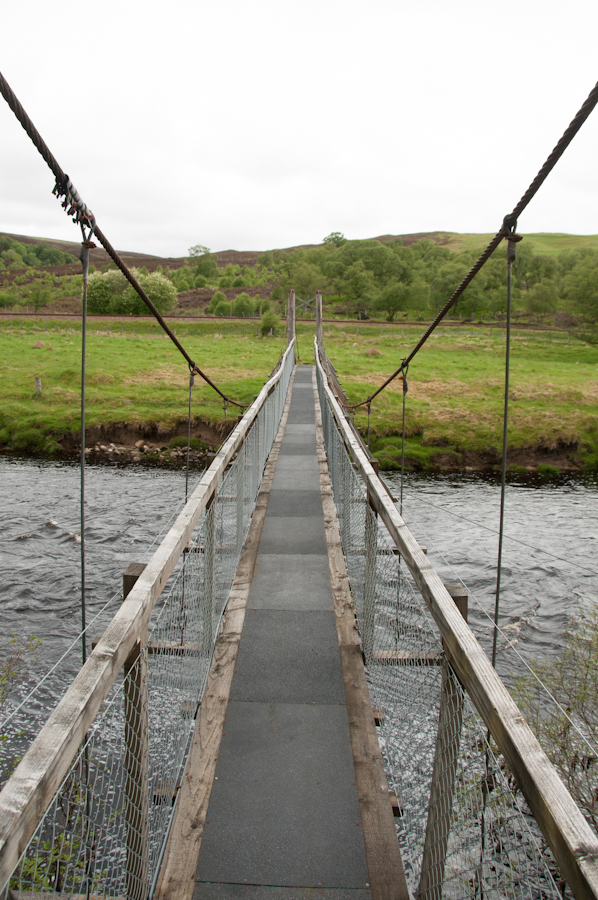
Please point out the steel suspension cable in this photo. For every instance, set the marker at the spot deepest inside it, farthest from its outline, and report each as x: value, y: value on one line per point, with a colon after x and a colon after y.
x: 74, y: 206
x: 85, y: 266
x: 508, y: 227
x: 511, y: 254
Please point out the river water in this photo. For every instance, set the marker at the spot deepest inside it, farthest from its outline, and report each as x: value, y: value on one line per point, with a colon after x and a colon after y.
x: 550, y: 569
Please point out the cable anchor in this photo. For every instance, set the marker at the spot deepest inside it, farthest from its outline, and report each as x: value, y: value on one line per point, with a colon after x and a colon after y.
x: 512, y: 241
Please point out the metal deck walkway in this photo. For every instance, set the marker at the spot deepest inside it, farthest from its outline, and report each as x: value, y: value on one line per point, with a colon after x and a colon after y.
x: 283, y: 819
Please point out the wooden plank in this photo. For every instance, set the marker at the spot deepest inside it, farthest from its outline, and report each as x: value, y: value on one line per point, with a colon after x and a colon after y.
x: 574, y: 844
x: 385, y: 866
x: 30, y: 789
x: 176, y: 880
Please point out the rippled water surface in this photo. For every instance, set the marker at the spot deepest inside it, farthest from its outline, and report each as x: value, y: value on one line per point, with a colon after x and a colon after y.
x: 127, y: 509
x: 544, y: 584
x: 550, y: 568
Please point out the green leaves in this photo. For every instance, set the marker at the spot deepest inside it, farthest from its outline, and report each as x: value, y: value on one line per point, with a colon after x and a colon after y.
x: 110, y: 292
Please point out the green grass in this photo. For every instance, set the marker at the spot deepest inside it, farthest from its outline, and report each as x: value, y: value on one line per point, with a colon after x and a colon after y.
x: 456, y: 387
x: 544, y: 242
x: 134, y: 379
x: 454, y: 403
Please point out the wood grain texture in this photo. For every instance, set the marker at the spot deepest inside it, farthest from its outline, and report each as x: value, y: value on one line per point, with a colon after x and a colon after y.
x: 385, y: 866
x: 177, y: 875
x: 30, y: 789
x: 573, y: 843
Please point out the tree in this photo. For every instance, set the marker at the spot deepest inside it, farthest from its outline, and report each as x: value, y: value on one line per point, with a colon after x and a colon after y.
x: 394, y: 298
x: 359, y: 285
x: 198, y: 250
x: 204, y: 262
x: 541, y: 298
x: 335, y: 237
x: 270, y: 323
x: 581, y: 283
x: 307, y: 278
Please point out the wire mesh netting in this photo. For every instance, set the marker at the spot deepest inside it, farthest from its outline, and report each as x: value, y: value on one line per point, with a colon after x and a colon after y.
x: 105, y: 831
x: 464, y: 829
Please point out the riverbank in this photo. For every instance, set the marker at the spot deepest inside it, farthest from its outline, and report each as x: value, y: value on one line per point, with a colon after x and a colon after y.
x: 137, y: 391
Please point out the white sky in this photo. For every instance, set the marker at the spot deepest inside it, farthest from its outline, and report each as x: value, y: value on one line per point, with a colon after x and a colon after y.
x: 254, y: 125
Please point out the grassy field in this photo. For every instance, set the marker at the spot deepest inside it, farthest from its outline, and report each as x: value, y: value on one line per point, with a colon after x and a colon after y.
x: 136, y: 378
x: 455, y: 399
x: 549, y: 243
x: 138, y: 381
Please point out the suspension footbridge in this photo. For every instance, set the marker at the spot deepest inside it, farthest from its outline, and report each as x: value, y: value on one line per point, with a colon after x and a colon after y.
x: 289, y: 700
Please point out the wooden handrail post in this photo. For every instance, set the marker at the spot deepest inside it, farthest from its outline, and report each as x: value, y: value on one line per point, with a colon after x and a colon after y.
x: 319, y: 327
x: 369, y: 586
x: 136, y: 757
x: 446, y: 758
x: 291, y: 316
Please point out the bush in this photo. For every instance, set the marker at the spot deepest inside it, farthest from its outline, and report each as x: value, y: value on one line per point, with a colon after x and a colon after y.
x: 40, y: 297
x: 260, y: 306
x: 222, y: 309
x: 270, y: 323
x: 242, y: 305
x: 217, y: 298
x: 239, y: 282
x: 200, y: 281
x: 110, y: 292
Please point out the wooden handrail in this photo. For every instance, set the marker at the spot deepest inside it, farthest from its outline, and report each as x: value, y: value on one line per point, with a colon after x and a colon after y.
x: 572, y: 841
x: 27, y: 794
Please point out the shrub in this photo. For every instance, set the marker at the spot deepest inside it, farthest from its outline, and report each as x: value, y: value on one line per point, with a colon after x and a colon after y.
x: 110, y: 292
x: 40, y: 297
x: 222, y: 309
x: 200, y: 281
x: 270, y: 323
x: 242, y: 305
x: 239, y: 282
x: 217, y: 298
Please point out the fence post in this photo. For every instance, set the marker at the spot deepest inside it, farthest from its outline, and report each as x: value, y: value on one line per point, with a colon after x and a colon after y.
x: 209, y: 573
x: 446, y: 757
x: 319, y: 329
x: 291, y: 316
x: 136, y: 757
x: 369, y: 587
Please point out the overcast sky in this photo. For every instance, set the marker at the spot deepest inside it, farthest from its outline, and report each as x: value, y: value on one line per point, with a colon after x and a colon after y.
x: 254, y: 125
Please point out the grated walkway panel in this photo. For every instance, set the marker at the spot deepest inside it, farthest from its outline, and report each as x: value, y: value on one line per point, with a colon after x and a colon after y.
x: 283, y: 820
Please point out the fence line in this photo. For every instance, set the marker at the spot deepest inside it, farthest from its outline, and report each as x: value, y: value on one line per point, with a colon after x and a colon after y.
x: 400, y: 639
x: 68, y: 816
